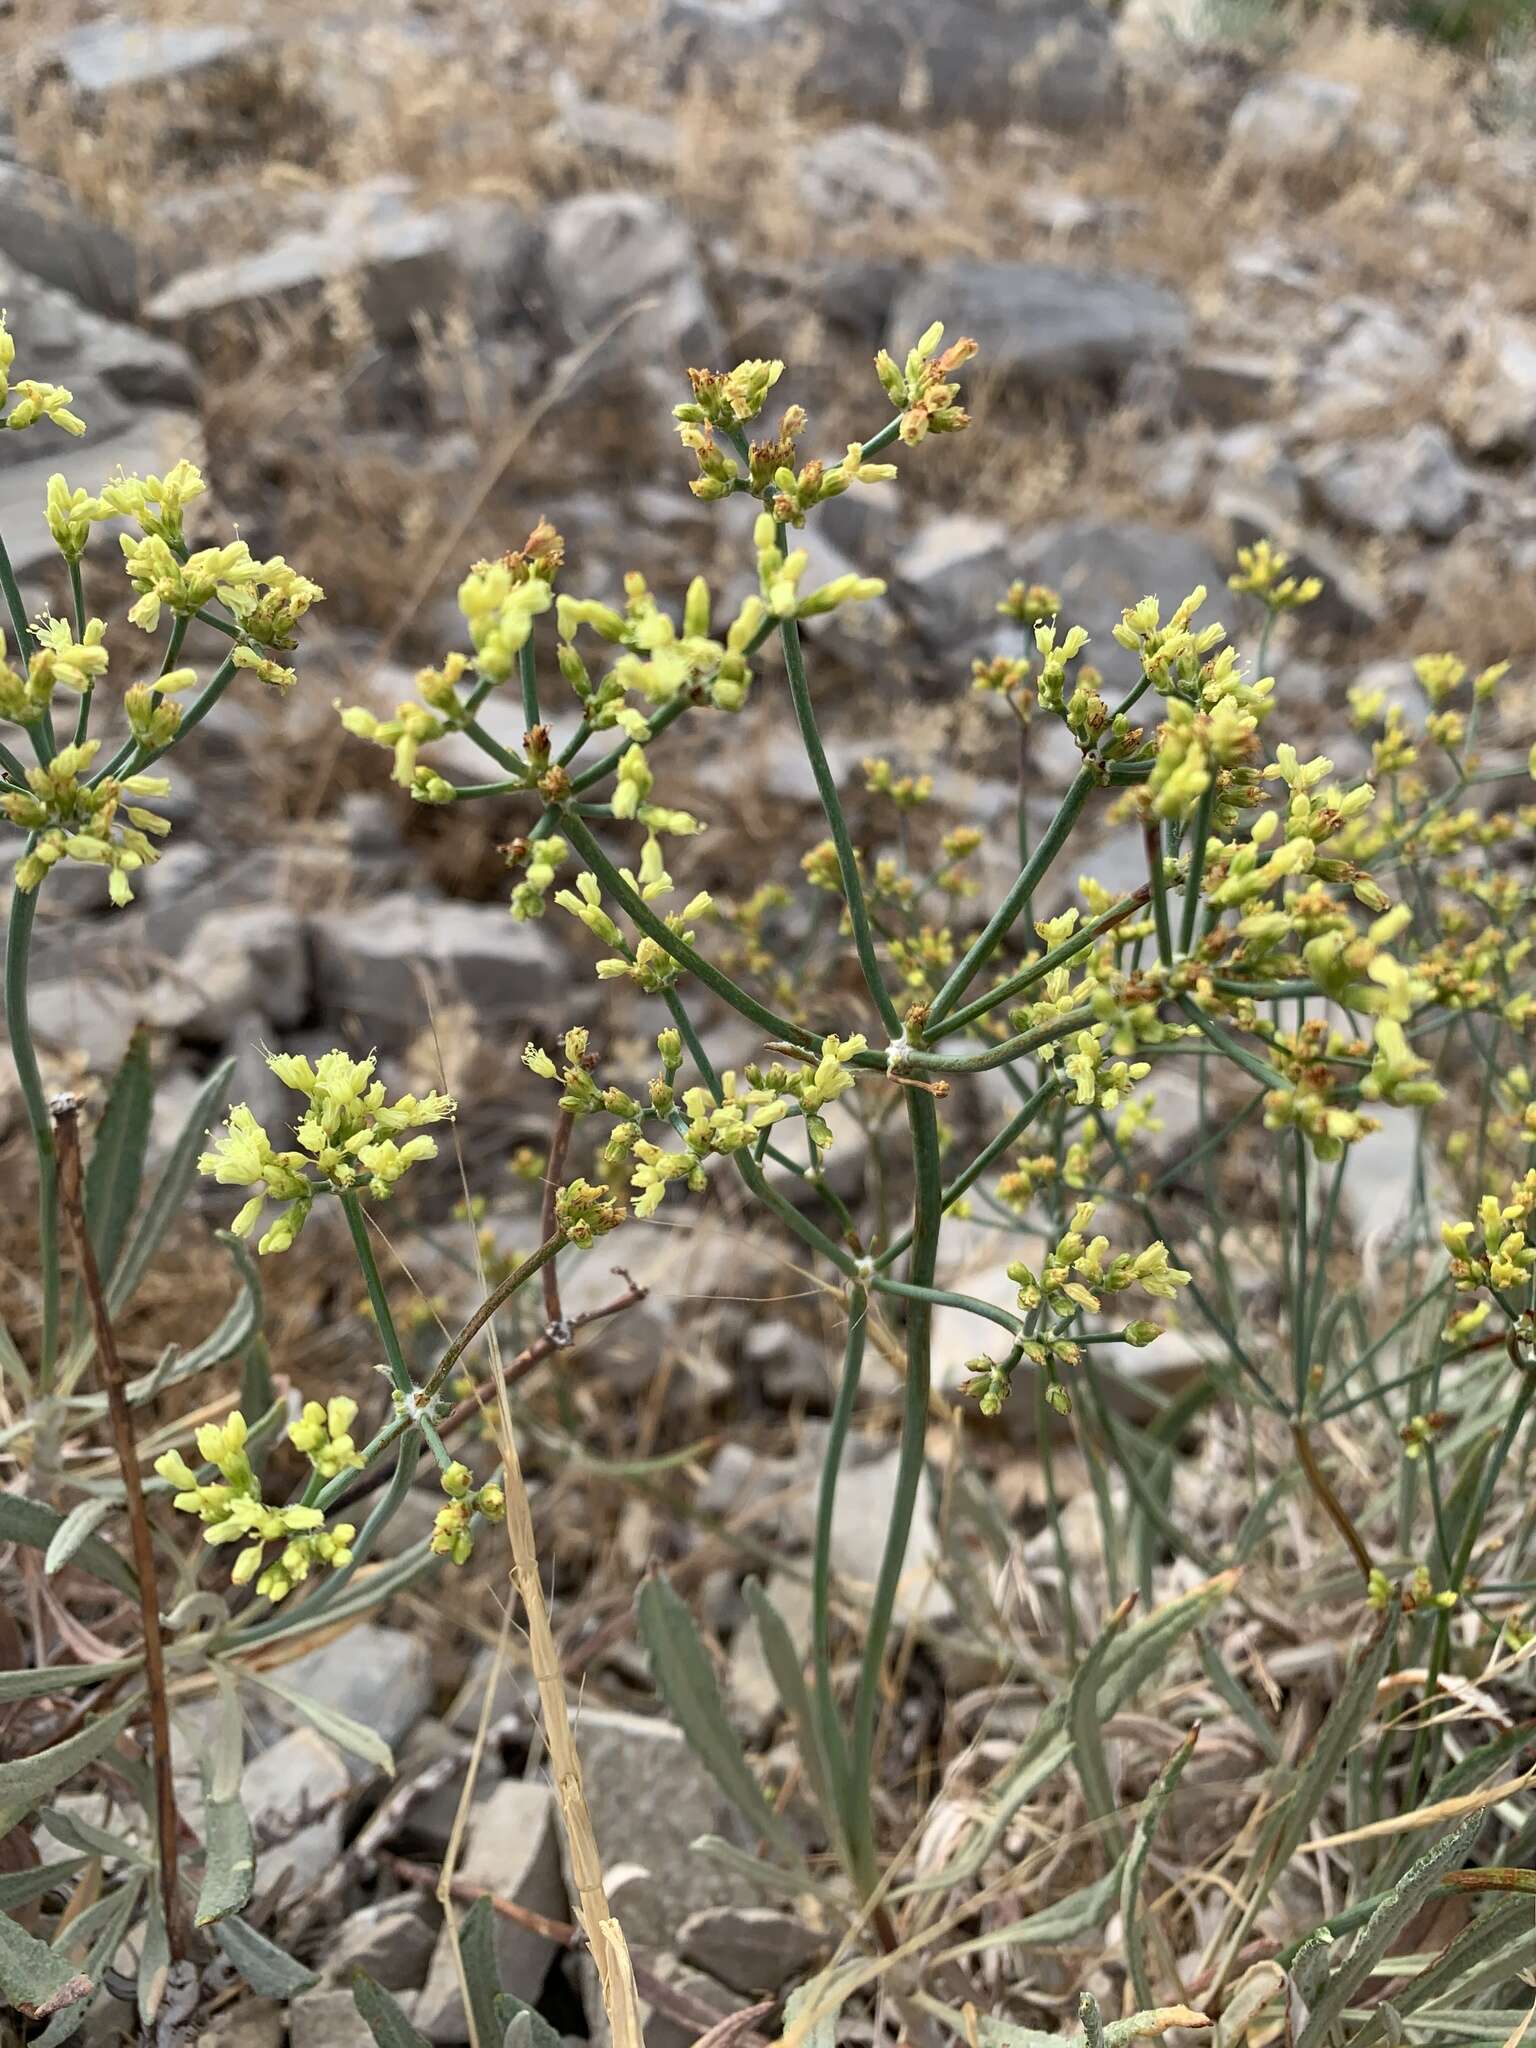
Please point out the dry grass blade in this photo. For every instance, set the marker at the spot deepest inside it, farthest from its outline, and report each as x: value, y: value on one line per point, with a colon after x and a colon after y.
x: 1422, y: 1816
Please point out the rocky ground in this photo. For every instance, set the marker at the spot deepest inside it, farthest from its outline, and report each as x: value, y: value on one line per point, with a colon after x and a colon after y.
x: 408, y: 281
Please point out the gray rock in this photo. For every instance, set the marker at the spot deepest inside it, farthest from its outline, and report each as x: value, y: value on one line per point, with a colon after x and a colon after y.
x: 256, y: 2023
x: 510, y: 1692
x: 327, y: 2019
x: 514, y: 1849
x: 1397, y: 484
x: 1492, y: 401
x: 628, y: 138
x: 246, y: 961
x: 1292, y: 122
x: 88, y: 1015
x: 749, y: 1948
x: 1348, y: 604
x: 1044, y: 325
x: 379, y: 1676
x: 851, y: 172
x: 296, y: 1794
x: 625, y: 258
x: 1102, y: 570
x: 44, y: 231
x: 392, y: 1941
x: 402, y: 261
x: 860, y: 1519
x: 1047, y: 61
x: 377, y: 964
x: 949, y: 580
x: 112, y: 370
x: 117, y: 55
x: 651, y: 1799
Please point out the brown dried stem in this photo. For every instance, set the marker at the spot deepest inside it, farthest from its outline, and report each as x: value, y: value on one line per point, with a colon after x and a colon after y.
x: 65, y: 1111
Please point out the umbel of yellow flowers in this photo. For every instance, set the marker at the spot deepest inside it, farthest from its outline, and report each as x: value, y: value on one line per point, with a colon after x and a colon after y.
x: 348, y: 1139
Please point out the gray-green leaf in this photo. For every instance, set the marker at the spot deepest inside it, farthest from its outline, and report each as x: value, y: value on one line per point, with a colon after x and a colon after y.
x: 269, y: 1970
x: 26, y: 1781
x: 34, y: 1978
x: 382, y: 2016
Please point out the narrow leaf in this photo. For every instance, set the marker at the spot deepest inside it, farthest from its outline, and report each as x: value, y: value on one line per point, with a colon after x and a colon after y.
x: 269, y: 1970
x: 382, y: 2016
x: 1085, y: 1725
x: 482, y: 1978
x: 21, y: 1887
x: 26, y: 1781
x: 520, y: 2026
x: 84, y: 1517
x: 35, y: 1524
x: 339, y: 1728
x: 229, y: 1861
x: 154, y: 1961
x: 686, y: 1681
x: 35, y: 1978
x: 810, y: 2016
x: 116, y: 1171
x: 1152, y: 1811
x: 102, y: 1927
x: 788, y: 1675
x: 47, y: 1678
x: 1388, y: 1921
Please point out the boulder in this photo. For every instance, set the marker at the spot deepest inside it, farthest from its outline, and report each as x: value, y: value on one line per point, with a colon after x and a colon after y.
x: 850, y: 173
x: 751, y: 1949
x: 391, y: 1940
x: 377, y: 965
x: 1491, y: 402
x: 44, y: 232
x: 620, y: 271
x: 118, y: 54
x: 1395, y: 484
x: 295, y: 1794
x: 402, y: 260
x: 950, y: 577
x: 1103, y: 568
x: 651, y: 1799
x: 381, y: 1677
x: 1043, y: 326
x: 242, y: 962
x: 994, y: 62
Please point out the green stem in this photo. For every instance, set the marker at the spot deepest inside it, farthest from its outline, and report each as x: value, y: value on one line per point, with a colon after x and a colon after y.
x: 133, y: 759
x: 927, y: 1214
x: 1014, y: 1129
x: 14, y: 605
x: 1199, y: 836
x: 1002, y: 920
x: 998, y: 1055
x: 821, y: 1558
x: 1068, y: 949
x: 1154, y: 840
x: 943, y: 1297
x: 641, y: 914
x: 837, y: 824
x: 24, y: 1058
x: 357, y: 1223
x: 77, y: 596
x: 527, y: 675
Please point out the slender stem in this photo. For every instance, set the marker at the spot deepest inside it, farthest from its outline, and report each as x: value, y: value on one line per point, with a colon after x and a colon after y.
x: 357, y: 1223
x: 642, y: 914
x: 943, y: 1297
x: 527, y: 675
x: 13, y: 767
x: 1014, y: 1129
x: 821, y: 1557
x: 498, y: 1297
x: 14, y: 605
x: 1154, y: 841
x: 1333, y: 1507
x: 554, y: 1170
x: 77, y: 596
x: 1002, y: 920
x: 1001, y: 1055
x: 923, y: 1122
x: 837, y: 824
x: 24, y: 1058
x: 133, y: 759
x: 1200, y: 834
x: 66, y: 1129
x: 1068, y: 949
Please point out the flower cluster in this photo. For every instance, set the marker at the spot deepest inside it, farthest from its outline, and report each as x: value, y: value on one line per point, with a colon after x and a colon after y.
x: 453, y: 1534
x: 923, y: 389
x: 27, y: 400
x: 233, y: 1510
x: 348, y: 1140
x: 99, y: 823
